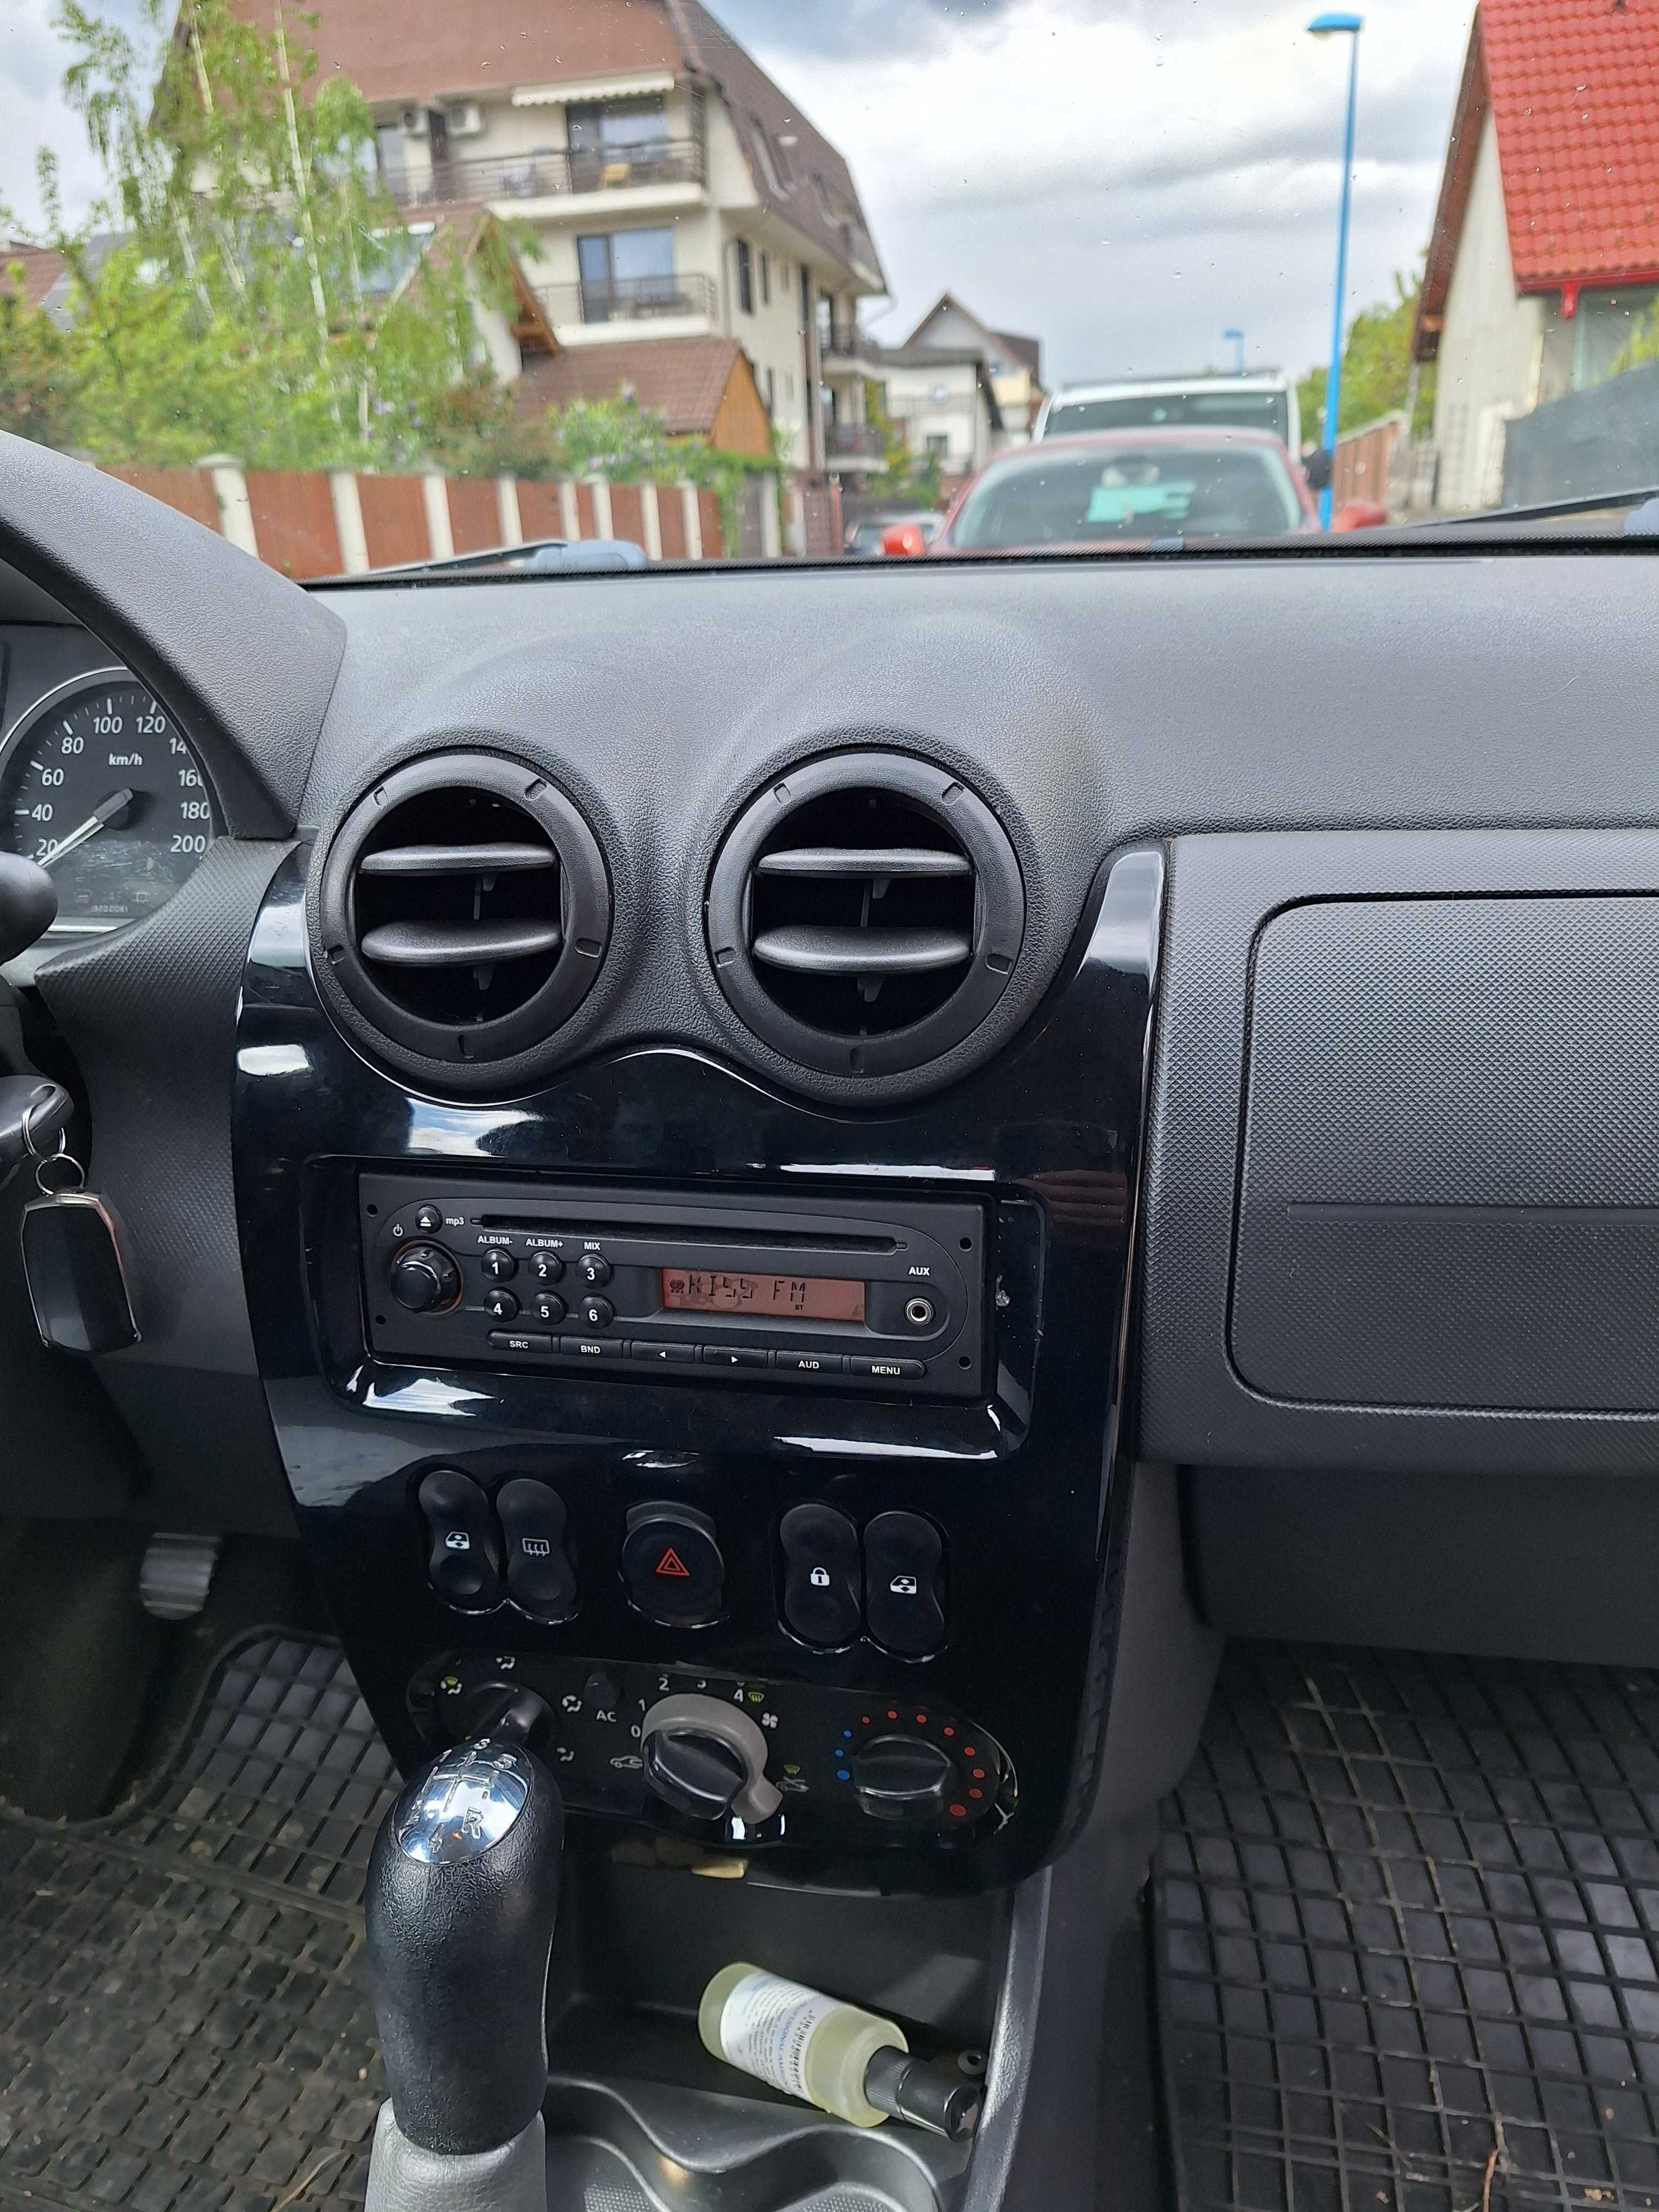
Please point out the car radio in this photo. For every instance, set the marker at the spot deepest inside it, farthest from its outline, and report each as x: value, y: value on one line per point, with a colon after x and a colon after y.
x: 629, y: 1282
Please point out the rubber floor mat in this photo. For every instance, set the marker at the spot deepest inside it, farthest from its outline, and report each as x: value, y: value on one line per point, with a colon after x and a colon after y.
x: 1407, y: 1938
x: 185, y: 2024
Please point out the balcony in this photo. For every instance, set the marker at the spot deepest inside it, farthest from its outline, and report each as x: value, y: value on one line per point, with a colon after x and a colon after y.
x: 627, y: 299
x: 550, y: 176
x: 855, y: 445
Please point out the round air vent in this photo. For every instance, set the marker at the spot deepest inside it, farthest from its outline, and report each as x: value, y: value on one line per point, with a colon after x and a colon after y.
x: 465, y: 908
x: 864, y: 914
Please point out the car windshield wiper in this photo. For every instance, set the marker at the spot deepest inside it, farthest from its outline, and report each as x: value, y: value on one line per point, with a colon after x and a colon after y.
x: 1639, y: 504
x: 537, y: 557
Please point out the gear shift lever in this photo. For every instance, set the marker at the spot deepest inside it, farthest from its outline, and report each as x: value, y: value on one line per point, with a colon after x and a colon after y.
x: 463, y: 1893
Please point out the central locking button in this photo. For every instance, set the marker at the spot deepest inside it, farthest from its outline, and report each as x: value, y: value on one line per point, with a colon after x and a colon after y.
x: 671, y: 1564
x: 822, y: 1580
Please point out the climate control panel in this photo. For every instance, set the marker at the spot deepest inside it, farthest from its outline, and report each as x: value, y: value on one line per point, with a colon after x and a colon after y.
x: 727, y: 1759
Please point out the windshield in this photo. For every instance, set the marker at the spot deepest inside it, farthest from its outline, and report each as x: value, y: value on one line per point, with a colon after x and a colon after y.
x: 1211, y: 410
x: 364, y: 287
x: 1115, y: 492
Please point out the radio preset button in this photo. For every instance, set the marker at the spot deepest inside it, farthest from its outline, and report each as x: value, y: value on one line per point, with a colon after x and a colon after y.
x: 809, y: 1363
x: 499, y: 1267
x: 666, y: 1355
x: 736, y: 1355
x: 886, y: 1371
x: 518, y: 1339
x: 594, y: 1269
x: 501, y: 1304
x: 546, y: 1267
x: 596, y: 1312
x: 549, y: 1307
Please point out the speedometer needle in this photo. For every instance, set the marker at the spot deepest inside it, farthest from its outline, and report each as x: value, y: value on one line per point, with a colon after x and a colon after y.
x: 106, y: 811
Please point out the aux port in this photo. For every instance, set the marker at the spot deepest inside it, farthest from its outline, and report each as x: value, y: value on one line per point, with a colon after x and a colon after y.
x: 919, y: 1312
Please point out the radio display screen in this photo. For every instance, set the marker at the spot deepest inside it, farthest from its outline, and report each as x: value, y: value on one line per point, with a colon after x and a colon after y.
x: 798, y: 1297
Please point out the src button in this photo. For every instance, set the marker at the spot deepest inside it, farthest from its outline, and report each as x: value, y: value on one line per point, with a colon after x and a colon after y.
x: 464, y: 1561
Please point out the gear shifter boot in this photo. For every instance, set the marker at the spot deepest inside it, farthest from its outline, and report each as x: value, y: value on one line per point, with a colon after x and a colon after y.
x: 462, y: 1895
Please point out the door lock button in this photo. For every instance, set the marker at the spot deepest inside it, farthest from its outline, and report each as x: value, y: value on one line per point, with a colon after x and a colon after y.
x: 463, y: 1561
x: 905, y: 1583
x: 823, y: 1578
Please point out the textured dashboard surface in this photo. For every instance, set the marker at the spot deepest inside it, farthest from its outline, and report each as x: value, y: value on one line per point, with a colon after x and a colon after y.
x: 1195, y: 1404
x: 1449, y: 1193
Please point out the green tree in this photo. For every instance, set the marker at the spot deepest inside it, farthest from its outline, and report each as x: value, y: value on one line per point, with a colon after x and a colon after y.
x: 35, y: 383
x: 1377, y: 370
x: 906, y: 478
x: 264, y: 296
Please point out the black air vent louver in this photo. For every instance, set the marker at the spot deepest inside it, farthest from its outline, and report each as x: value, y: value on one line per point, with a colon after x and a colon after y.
x: 464, y: 909
x: 866, y: 915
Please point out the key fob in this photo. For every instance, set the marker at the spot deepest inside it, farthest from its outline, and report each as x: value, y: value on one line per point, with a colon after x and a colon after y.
x: 72, y: 1266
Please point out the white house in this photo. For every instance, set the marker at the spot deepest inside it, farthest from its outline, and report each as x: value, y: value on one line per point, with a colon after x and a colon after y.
x: 1545, y: 254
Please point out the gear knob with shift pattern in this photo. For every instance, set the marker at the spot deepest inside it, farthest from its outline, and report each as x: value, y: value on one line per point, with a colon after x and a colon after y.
x: 462, y: 1897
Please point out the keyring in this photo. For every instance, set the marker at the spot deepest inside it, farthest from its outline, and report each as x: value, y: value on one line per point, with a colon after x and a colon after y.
x: 34, y: 1106
x: 44, y: 1185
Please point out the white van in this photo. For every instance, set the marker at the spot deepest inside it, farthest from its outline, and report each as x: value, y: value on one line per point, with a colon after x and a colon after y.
x: 1265, y: 401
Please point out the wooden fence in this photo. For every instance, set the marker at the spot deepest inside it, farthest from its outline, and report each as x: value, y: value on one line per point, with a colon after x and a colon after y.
x: 316, y: 522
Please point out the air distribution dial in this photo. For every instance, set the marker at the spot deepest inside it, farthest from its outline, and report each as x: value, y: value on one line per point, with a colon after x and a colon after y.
x: 425, y: 1279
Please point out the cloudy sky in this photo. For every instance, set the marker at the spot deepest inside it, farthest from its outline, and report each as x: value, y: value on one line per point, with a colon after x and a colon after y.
x: 1125, y: 179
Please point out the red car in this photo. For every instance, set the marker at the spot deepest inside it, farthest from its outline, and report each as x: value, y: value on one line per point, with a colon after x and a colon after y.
x: 1127, y: 488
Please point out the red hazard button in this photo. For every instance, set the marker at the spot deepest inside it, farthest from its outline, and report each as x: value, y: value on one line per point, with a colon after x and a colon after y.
x: 671, y: 1564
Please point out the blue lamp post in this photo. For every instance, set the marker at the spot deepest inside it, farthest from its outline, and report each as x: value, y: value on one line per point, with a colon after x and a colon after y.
x: 1325, y: 27
x: 1236, y: 339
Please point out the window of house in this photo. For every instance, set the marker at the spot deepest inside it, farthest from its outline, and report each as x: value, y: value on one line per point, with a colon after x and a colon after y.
x: 616, y: 128
x: 938, y: 444
x: 1604, y: 325
x: 392, y: 147
x: 765, y: 279
x: 745, y: 277
x: 771, y: 391
x: 626, y: 272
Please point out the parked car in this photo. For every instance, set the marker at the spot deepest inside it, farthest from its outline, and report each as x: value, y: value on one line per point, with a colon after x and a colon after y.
x: 1132, y: 488
x: 1265, y: 401
x: 865, y: 540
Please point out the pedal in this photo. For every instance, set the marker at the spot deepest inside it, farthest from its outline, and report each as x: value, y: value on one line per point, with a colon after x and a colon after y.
x: 177, y: 1575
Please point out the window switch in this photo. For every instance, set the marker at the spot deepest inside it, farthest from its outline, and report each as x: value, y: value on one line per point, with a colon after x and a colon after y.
x: 904, y: 1584
x: 823, y: 1581
x: 463, y: 1562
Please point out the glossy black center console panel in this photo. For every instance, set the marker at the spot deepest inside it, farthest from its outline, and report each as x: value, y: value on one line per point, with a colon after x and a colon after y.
x: 855, y: 1561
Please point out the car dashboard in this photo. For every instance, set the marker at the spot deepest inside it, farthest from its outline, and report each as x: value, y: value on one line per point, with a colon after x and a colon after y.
x: 703, y: 1133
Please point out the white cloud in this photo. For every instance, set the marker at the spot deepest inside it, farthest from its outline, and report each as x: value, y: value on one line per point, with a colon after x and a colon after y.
x: 1126, y: 185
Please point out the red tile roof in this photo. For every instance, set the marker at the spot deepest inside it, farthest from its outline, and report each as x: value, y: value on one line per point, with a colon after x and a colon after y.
x: 1572, y: 88
x: 681, y: 379
x: 40, y: 266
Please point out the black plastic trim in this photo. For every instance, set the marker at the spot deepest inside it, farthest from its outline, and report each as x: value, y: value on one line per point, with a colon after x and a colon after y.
x: 999, y: 914
x: 447, y: 1058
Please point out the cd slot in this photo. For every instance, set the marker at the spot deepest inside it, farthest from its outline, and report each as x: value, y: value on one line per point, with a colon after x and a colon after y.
x: 657, y: 1232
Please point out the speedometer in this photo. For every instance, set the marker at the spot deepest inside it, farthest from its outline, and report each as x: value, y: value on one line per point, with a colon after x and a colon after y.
x: 100, y: 787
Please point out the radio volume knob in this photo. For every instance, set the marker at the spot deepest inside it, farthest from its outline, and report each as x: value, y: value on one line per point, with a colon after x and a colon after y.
x: 424, y: 1279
